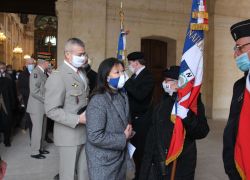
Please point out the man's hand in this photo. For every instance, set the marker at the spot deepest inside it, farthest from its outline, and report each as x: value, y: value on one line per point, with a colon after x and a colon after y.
x: 82, y: 118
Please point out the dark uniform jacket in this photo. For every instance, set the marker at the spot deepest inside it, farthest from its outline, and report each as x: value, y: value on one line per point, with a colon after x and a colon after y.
x: 230, y: 132
x: 159, y: 138
x: 92, y: 77
x: 23, y: 85
x: 6, y: 91
x: 140, y: 91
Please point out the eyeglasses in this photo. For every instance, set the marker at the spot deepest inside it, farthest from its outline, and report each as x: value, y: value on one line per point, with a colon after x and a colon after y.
x: 240, y: 47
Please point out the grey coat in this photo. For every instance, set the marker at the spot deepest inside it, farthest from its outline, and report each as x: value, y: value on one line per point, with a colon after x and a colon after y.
x: 66, y: 93
x: 106, y: 149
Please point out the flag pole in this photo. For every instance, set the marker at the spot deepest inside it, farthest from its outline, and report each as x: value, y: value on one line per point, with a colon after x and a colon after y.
x: 173, y: 171
x: 122, y: 28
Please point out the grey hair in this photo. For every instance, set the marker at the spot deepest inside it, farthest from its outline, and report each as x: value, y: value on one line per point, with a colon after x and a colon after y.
x: 40, y: 61
x: 71, y: 42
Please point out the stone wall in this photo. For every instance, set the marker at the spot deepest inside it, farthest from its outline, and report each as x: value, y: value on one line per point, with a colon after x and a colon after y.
x: 97, y: 23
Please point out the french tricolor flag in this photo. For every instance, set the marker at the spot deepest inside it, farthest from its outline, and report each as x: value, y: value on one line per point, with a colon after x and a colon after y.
x: 190, y: 76
x: 242, y: 145
x: 121, y: 45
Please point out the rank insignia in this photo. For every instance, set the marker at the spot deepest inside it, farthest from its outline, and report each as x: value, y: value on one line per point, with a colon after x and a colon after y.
x: 35, y: 75
x: 74, y: 85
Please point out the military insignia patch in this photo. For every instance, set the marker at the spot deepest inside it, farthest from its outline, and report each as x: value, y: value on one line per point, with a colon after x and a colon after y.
x: 74, y: 85
x: 35, y: 75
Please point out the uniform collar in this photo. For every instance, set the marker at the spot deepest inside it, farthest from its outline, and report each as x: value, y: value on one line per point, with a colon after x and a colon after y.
x: 139, y: 70
x: 72, y: 67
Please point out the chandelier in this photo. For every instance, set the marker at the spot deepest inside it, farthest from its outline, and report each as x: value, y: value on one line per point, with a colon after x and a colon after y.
x: 18, y: 50
x: 2, y: 36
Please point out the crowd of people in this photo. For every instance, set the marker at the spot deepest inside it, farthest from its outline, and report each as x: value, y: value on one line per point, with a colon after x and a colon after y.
x: 96, y: 116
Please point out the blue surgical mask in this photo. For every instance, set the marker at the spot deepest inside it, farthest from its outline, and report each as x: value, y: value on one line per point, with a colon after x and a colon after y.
x: 243, y: 62
x: 30, y: 67
x: 113, y: 82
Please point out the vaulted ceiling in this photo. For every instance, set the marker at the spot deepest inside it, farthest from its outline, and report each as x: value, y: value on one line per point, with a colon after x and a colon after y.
x: 43, y: 7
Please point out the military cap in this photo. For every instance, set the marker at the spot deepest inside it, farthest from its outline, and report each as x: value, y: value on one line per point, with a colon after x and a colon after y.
x: 172, y: 72
x: 240, y: 29
x: 46, y: 56
x: 135, y: 56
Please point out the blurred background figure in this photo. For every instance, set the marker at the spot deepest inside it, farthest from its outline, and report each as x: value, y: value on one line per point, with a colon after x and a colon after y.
x: 91, y: 74
x: 24, y: 91
x: 7, y: 104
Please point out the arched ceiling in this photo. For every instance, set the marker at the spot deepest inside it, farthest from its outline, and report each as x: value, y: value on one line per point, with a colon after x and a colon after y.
x: 43, y: 7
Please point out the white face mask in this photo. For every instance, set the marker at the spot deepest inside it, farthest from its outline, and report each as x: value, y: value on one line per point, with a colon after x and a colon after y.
x: 78, y: 61
x: 167, y: 88
x: 122, y: 80
x: 132, y: 69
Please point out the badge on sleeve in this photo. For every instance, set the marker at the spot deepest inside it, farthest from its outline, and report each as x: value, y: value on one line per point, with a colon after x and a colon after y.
x: 35, y: 75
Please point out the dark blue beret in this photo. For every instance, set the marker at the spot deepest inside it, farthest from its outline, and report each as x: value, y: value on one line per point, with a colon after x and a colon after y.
x: 240, y: 29
x: 135, y: 56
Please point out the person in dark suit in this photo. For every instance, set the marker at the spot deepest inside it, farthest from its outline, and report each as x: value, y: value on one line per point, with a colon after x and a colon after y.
x: 24, y: 90
x: 7, y: 105
x: 159, y: 137
x: 91, y: 75
x: 241, y: 34
x: 139, y: 88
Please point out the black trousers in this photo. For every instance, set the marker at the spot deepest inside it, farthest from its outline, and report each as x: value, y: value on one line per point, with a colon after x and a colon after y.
x: 140, y: 126
x: 5, y: 126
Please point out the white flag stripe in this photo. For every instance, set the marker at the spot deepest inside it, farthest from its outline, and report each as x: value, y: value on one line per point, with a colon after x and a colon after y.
x: 199, y: 73
x: 192, y: 57
x: 185, y: 97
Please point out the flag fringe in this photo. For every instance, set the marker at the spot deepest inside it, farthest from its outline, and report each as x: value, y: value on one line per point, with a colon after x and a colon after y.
x: 200, y: 14
x: 241, y: 172
x: 203, y: 27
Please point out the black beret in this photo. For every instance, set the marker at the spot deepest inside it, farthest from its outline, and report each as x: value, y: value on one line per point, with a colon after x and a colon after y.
x: 172, y: 72
x: 135, y: 56
x: 240, y: 29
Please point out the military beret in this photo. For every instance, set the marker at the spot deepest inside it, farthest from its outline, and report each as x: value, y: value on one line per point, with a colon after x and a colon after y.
x: 172, y: 72
x: 240, y: 29
x: 46, y: 56
x: 135, y: 56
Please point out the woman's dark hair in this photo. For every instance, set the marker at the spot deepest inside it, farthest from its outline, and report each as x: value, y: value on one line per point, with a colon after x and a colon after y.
x: 103, y: 72
x: 121, y: 63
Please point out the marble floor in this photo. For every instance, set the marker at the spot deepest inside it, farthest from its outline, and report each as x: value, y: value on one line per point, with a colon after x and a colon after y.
x: 22, y: 167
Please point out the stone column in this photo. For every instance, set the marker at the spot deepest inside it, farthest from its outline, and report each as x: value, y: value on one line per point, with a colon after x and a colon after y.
x: 65, y: 21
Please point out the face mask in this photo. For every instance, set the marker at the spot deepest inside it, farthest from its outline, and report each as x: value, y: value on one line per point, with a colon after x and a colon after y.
x: 113, y: 82
x: 167, y: 88
x: 243, y: 62
x: 78, y: 61
x: 2, y: 70
x: 30, y: 67
x: 132, y: 69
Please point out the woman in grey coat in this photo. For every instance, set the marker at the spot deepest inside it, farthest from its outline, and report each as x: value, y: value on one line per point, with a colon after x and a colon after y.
x: 108, y: 128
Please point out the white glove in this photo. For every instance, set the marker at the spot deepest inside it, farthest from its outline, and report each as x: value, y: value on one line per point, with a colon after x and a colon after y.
x: 182, y: 111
